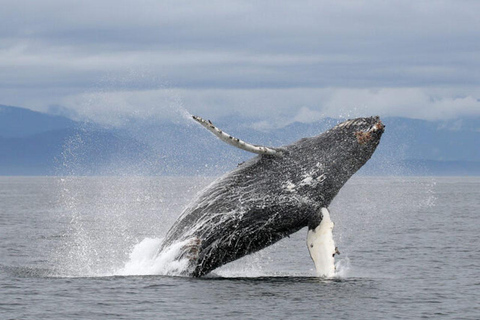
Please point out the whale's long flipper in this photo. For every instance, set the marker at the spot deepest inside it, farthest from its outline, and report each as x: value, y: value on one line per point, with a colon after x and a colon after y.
x: 321, y: 245
x: 235, y: 141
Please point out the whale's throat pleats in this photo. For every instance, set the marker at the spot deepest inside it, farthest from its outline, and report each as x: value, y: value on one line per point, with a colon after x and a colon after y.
x: 321, y: 245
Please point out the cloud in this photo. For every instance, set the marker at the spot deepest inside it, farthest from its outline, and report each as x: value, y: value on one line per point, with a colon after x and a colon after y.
x: 280, y: 59
x: 407, y: 102
x: 269, y: 108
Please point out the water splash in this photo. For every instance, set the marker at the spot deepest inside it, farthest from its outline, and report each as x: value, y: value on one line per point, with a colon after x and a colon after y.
x: 342, y: 268
x: 145, y: 260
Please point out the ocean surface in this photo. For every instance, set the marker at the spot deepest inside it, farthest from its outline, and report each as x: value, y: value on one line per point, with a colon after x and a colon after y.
x: 85, y: 248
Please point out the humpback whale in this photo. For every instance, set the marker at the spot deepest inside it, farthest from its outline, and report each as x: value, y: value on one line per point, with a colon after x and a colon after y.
x: 271, y: 196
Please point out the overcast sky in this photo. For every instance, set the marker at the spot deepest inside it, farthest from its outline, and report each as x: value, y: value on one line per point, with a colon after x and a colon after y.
x: 280, y: 61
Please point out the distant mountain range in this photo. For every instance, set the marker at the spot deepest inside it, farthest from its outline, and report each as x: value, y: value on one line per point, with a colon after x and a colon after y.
x: 33, y: 143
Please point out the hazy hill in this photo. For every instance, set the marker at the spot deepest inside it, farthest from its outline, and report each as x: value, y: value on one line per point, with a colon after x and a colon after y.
x: 33, y: 143
x: 19, y: 122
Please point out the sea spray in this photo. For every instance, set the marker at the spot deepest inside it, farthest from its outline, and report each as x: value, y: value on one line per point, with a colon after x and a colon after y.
x: 103, y: 217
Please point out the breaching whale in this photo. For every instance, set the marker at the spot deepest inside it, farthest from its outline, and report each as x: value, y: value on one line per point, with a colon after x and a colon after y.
x: 271, y: 196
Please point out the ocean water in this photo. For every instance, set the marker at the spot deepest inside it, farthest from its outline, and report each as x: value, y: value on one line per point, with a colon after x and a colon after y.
x: 85, y: 248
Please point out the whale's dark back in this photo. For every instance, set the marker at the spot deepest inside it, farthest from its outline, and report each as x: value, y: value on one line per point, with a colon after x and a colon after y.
x: 270, y: 197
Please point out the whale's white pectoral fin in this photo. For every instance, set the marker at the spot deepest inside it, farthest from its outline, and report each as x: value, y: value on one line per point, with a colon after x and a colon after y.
x: 321, y: 245
x: 235, y: 141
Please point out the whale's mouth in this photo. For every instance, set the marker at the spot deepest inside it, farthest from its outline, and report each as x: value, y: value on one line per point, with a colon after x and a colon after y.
x: 365, y: 136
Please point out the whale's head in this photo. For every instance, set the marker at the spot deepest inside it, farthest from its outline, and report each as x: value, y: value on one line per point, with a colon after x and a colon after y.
x: 347, y: 145
x: 332, y: 157
x: 357, y: 139
x: 338, y: 153
x: 353, y: 142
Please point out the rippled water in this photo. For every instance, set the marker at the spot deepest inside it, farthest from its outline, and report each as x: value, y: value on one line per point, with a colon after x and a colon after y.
x: 409, y: 249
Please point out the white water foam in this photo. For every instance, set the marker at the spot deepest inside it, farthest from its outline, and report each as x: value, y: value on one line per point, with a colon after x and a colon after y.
x: 145, y: 260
